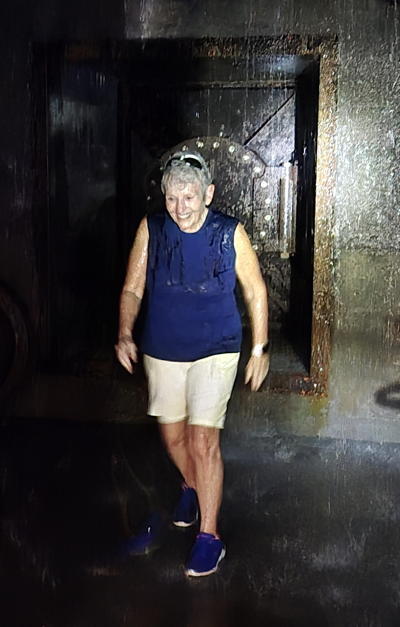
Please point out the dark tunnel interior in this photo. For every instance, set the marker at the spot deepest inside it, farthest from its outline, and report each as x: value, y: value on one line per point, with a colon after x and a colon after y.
x: 294, y: 106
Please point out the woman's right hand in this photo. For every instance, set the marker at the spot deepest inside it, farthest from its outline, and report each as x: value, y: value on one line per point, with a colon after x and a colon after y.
x: 126, y: 351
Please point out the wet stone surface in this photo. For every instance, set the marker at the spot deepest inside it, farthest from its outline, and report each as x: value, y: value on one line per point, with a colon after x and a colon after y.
x: 311, y: 527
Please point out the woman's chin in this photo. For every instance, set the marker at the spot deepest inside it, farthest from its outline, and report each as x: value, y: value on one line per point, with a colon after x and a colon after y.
x: 185, y: 223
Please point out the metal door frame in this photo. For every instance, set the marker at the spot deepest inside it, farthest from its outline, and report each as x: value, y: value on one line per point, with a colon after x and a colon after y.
x: 324, y: 50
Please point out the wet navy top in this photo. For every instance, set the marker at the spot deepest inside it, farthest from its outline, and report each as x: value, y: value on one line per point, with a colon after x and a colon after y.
x: 191, y: 307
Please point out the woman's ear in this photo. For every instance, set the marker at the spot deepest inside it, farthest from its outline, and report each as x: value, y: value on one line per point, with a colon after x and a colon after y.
x: 208, y: 196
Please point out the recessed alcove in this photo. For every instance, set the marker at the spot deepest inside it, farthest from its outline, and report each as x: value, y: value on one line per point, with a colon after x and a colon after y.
x: 262, y: 111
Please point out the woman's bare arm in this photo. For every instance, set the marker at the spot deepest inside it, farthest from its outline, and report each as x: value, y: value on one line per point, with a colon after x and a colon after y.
x: 255, y: 296
x: 131, y: 297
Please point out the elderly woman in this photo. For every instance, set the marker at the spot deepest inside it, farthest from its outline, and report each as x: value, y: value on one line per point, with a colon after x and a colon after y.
x: 185, y: 262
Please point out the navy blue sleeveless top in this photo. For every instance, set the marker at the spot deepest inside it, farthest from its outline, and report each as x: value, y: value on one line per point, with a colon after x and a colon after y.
x: 191, y: 309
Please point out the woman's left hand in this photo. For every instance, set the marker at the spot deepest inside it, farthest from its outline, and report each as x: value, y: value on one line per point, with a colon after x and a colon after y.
x: 256, y: 371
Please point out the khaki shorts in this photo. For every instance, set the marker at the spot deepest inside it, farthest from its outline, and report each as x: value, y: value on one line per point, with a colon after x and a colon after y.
x: 196, y: 391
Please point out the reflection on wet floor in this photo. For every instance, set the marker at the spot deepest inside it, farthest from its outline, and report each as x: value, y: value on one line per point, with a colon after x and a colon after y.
x: 311, y: 527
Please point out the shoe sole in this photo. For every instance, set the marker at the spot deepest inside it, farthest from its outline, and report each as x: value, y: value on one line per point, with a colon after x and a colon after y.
x: 182, y: 523
x: 195, y: 573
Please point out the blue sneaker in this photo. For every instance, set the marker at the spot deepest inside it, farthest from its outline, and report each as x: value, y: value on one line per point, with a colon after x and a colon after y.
x: 187, y: 511
x: 148, y: 538
x: 206, y: 554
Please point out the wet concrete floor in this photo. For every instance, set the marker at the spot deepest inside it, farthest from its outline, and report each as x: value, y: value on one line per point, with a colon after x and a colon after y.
x: 311, y: 527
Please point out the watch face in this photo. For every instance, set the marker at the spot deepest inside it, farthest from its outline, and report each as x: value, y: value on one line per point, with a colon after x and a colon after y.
x: 260, y: 349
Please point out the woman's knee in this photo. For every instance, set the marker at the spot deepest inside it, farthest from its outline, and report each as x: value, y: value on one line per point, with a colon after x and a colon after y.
x: 204, y: 442
x: 174, y: 437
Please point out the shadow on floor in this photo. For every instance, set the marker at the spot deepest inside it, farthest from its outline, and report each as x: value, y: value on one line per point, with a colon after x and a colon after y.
x: 389, y: 396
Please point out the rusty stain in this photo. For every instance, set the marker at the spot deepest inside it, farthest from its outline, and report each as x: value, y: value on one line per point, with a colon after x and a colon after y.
x: 237, y: 48
x: 324, y: 202
x: 81, y: 51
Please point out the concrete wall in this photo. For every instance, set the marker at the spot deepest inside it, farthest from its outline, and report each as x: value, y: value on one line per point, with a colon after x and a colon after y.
x: 366, y: 342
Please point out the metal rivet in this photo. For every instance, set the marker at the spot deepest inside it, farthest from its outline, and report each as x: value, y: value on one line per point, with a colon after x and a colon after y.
x: 184, y: 148
x: 216, y: 145
x: 231, y: 148
x: 262, y: 233
x: 200, y: 144
x: 255, y: 246
x: 264, y: 184
x: 268, y: 217
x: 246, y: 157
x: 148, y: 198
x: 257, y: 169
x: 268, y: 201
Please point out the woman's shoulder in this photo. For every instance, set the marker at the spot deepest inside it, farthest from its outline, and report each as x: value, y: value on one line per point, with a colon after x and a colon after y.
x: 224, y: 219
x: 155, y: 218
x: 156, y: 221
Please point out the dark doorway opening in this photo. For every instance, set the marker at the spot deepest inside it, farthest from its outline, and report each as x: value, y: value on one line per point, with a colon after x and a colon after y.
x: 112, y: 112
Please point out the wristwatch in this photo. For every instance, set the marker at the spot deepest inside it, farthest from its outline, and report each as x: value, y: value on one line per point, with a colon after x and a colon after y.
x: 260, y: 349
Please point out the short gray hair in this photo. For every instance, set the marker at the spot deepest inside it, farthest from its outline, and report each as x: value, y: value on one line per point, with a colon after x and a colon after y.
x: 186, y: 167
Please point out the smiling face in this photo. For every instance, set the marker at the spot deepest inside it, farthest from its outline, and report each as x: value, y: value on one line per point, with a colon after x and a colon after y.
x: 186, y: 204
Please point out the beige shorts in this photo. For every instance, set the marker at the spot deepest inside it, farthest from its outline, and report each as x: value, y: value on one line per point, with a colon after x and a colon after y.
x: 196, y: 391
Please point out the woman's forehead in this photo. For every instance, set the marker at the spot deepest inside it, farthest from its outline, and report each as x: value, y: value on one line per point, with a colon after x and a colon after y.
x: 176, y: 186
